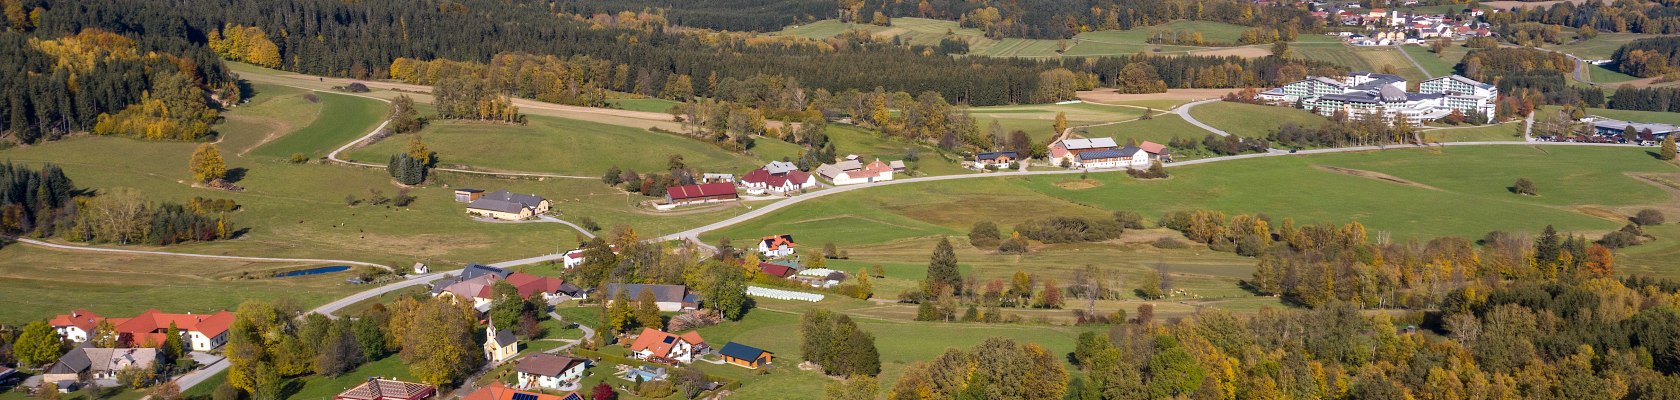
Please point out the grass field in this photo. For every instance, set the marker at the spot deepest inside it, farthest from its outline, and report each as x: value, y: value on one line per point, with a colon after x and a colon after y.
x: 343, y: 118
x: 1038, y: 120
x: 1481, y: 201
x: 561, y: 146
x: 649, y: 105
x: 1501, y: 132
x: 38, y: 283
x: 1368, y: 58
x: 1436, y: 65
x: 928, y: 32
x: 1606, y: 76
x: 1252, y: 120
x: 1160, y: 129
x: 1600, y: 47
x: 1217, y: 32
x: 1637, y: 116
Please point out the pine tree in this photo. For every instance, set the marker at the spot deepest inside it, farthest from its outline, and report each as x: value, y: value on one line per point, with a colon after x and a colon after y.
x: 942, y: 270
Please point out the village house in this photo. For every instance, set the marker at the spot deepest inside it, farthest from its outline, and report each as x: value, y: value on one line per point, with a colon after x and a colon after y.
x: 476, y: 283
x: 574, y: 258
x: 388, y: 389
x: 77, y: 326
x: 496, y: 391
x: 852, y: 172
x: 778, y: 177
x: 776, y: 246
x: 744, y: 355
x: 97, y: 363
x: 995, y: 159
x: 507, y: 206
x: 1157, y: 151
x: 549, y: 371
x: 700, y: 193
x: 1066, y: 151
x: 670, y: 298
x: 499, y: 345
x: 656, y: 345
x: 710, y: 177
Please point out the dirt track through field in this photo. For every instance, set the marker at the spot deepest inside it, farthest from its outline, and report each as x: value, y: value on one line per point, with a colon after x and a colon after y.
x: 1374, y: 175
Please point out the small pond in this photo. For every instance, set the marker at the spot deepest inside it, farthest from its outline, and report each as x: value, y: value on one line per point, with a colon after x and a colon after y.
x: 313, y: 271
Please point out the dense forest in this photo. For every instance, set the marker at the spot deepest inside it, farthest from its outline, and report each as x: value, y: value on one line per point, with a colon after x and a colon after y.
x: 734, y: 15
x: 1649, y: 57
x: 1657, y: 17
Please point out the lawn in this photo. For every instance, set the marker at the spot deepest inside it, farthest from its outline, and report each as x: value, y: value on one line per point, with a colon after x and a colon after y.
x: 322, y: 387
x: 1252, y: 120
x: 342, y: 118
x: 1501, y: 132
x: 273, y: 112
x: 37, y: 283
x: 870, y: 145
x: 1436, y: 65
x: 1160, y: 129
x: 1606, y: 76
x: 1480, y: 201
x: 559, y: 146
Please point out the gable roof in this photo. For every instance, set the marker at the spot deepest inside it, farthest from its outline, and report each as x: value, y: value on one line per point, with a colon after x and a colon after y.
x: 659, y: 343
x: 772, y: 179
x: 504, y: 338
x: 776, y: 270
x: 80, y: 318
x: 993, y: 155
x: 698, y: 191
x: 475, y: 270
x: 529, y: 285
x: 1153, y: 148
x: 775, y: 241
x: 1088, y: 143
x: 544, y: 364
x: 877, y: 167
x: 741, y: 351
x: 527, y: 200
x: 387, y: 389
x: 497, y: 205
x: 98, y: 359
x: 780, y: 167
x: 1100, y: 154
x: 1129, y: 151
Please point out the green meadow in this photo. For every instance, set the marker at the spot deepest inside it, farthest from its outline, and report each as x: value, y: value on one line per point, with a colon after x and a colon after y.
x: 558, y: 146
x: 1252, y: 120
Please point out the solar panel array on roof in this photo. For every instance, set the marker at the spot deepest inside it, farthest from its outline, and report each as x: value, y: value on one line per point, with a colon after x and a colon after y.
x: 669, y: 339
x: 524, y: 396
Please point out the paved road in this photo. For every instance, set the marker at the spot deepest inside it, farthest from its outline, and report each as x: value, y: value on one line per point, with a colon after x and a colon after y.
x: 1185, y: 111
x: 39, y: 243
x: 580, y: 229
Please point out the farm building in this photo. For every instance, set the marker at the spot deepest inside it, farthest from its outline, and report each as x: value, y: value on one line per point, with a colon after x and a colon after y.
x: 508, y: 206
x: 200, y: 332
x: 996, y: 159
x: 467, y: 195
x: 852, y: 172
x: 1067, y: 151
x: 776, y: 270
x: 669, y: 297
x: 76, y: 326
x: 744, y: 355
x: 701, y: 193
x: 777, y: 177
x: 98, y: 363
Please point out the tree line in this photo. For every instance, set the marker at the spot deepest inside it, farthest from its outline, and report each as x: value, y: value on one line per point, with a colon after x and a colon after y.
x: 1659, y: 17
x: 45, y: 203
x: 1650, y: 57
x: 1051, y: 19
x: 53, y: 83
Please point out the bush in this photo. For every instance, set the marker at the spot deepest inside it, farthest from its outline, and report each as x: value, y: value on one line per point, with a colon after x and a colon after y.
x: 1525, y: 187
x: 299, y: 158
x: 1648, y: 217
x: 1129, y: 219
x: 1069, y: 229
x: 984, y: 234
x: 589, y: 224
x: 1169, y: 243
x: 403, y: 199
x: 354, y: 87
x: 1014, y: 245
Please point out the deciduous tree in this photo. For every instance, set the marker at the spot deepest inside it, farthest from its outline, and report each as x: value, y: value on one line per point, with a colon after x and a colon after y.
x: 206, y: 164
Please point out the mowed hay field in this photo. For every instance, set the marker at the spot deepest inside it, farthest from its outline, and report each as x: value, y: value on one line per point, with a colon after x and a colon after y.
x: 342, y: 119
x: 1159, y: 129
x: 37, y: 283
x: 558, y: 146
x: 1281, y: 187
x: 300, y: 210
x: 1038, y: 120
x: 1367, y: 58
x: 1601, y: 46
x: 1252, y: 120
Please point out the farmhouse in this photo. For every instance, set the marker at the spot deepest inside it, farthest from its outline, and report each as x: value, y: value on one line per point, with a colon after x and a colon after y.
x: 388, y: 389
x: 477, y: 283
x: 574, y: 258
x: 656, y: 345
x: 1157, y: 151
x: 98, y: 363
x: 670, y: 298
x: 504, y: 205
x: 1066, y: 151
x: 778, y: 177
x: 852, y: 172
x: 995, y: 159
x: 744, y: 355
x: 76, y: 326
x: 776, y: 246
x: 549, y: 371
x: 498, y: 392
x: 701, y: 193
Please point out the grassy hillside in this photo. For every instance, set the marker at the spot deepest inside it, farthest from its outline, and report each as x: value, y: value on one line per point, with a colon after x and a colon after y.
x: 1038, y: 120
x: 557, y: 145
x: 1368, y: 58
x: 342, y: 118
x: 1481, y: 201
x: 1252, y: 120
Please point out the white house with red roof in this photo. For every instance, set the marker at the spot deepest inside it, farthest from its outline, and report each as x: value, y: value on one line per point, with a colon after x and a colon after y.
x: 77, y: 326
x: 654, y: 345
x: 199, y: 332
x: 777, y: 177
x: 853, y: 171
x: 776, y: 246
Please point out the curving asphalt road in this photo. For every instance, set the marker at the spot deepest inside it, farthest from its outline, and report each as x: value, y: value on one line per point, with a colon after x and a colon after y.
x: 1184, y: 110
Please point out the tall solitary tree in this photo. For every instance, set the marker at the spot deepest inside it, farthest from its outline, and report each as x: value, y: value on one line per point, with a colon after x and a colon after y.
x: 207, y: 164
x: 1668, y: 149
x: 37, y: 345
x: 404, y: 118
x: 942, y: 270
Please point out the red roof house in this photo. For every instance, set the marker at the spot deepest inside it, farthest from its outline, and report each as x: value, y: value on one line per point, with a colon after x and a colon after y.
x: 204, y: 332
x: 656, y: 344
x: 77, y: 326
x: 776, y: 270
x: 387, y: 389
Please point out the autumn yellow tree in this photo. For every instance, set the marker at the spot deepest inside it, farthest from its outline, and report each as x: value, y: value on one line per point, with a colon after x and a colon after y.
x: 207, y: 164
x: 1061, y: 122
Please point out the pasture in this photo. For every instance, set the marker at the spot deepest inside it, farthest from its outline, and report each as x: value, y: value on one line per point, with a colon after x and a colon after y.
x: 1599, y: 47
x: 1252, y: 120
x: 1368, y: 58
x: 342, y: 118
x: 1038, y: 120
x: 1510, y: 131
x: 1159, y: 129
